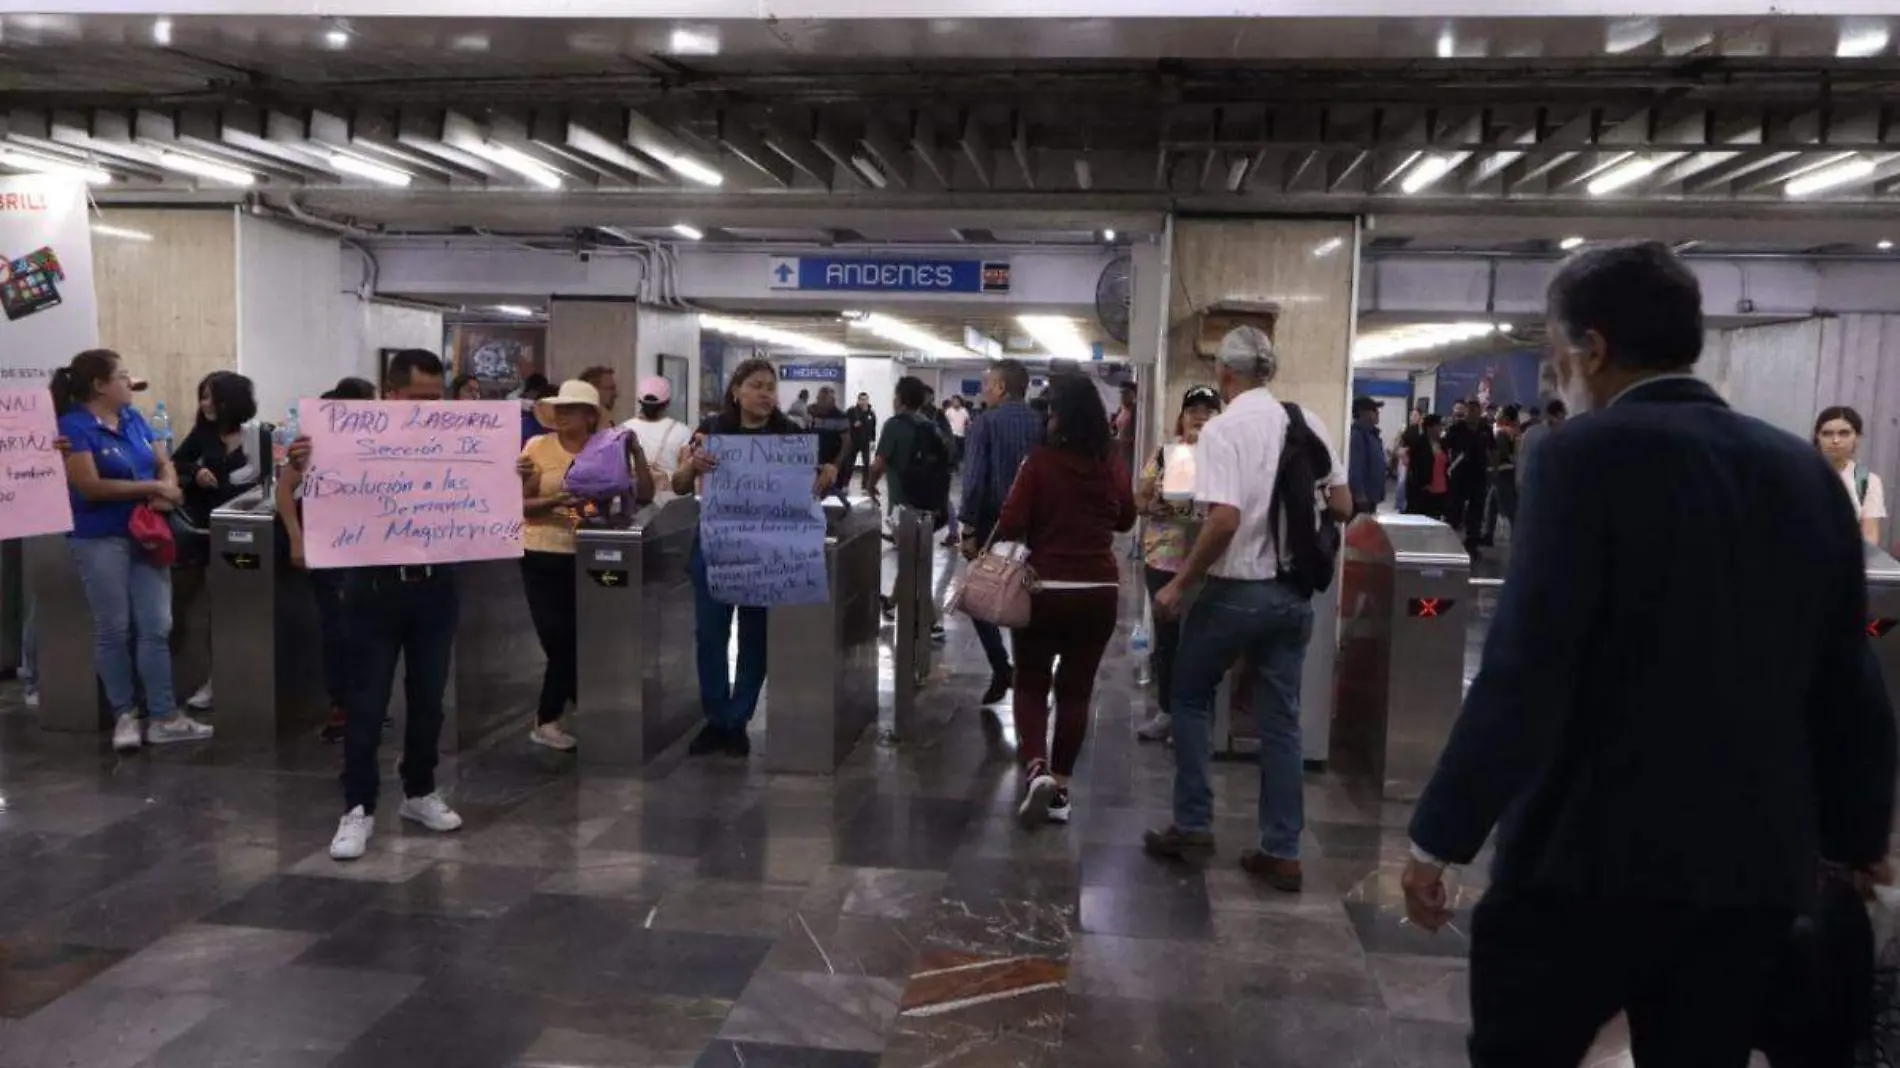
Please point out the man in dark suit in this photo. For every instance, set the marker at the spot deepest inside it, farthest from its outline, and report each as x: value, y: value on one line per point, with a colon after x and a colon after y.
x: 1678, y: 718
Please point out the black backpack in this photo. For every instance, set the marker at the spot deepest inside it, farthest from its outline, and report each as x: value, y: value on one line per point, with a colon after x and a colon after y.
x: 926, y: 474
x: 1305, y: 534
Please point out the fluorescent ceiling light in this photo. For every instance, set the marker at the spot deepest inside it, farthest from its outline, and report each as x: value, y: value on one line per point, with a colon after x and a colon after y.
x: 23, y: 161
x: 1426, y: 172
x: 688, y: 167
x: 1884, y: 245
x: 519, y: 311
x: 702, y: 42
x: 1632, y: 170
x: 1417, y: 337
x: 1447, y: 44
x: 1057, y: 334
x: 914, y: 337
x: 784, y: 339
x: 1108, y: 235
x: 1840, y: 172
x: 106, y: 230
x: 1570, y: 242
x: 690, y: 233
x: 162, y: 33
x: 864, y: 166
x: 1328, y: 247
x: 1860, y: 40
x: 204, y: 168
x: 1628, y: 35
x: 337, y: 38
x: 375, y: 172
x: 519, y: 162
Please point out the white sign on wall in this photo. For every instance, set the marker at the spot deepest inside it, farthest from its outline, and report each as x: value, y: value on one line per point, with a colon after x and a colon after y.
x: 47, y: 308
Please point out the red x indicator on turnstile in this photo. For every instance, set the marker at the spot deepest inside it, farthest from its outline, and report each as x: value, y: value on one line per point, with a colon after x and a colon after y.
x: 1878, y: 628
x: 1428, y: 607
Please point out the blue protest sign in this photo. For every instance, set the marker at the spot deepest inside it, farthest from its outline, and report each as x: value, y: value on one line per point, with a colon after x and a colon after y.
x: 761, y: 531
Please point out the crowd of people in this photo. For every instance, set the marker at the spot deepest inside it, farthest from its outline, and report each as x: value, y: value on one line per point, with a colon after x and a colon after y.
x: 1676, y: 735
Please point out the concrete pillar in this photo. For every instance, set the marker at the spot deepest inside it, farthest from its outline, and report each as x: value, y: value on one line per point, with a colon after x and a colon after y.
x: 631, y: 339
x: 1307, y: 268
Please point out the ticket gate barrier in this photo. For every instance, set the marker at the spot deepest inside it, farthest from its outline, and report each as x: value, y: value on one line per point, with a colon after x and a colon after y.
x: 914, y: 598
x: 1405, y: 601
x: 266, y: 637
x: 634, y: 615
x: 821, y: 693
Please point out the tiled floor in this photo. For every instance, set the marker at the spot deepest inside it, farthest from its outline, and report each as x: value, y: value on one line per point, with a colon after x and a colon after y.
x: 179, y: 909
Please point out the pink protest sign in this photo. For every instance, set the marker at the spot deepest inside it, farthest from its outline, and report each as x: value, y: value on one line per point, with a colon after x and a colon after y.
x: 410, y: 482
x: 32, y: 473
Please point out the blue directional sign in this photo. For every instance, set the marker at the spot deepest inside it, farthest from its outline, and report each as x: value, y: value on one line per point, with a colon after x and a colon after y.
x: 827, y: 274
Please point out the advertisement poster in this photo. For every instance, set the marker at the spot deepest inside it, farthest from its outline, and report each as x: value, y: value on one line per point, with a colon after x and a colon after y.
x: 47, y: 310
x: 499, y: 357
x: 410, y: 482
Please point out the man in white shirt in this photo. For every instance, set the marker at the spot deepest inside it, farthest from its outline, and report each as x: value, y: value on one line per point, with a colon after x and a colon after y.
x: 661, y: 436
x: 1243, y: 609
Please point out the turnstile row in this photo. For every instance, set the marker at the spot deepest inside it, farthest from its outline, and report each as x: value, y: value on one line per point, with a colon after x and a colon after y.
x: 1407, y: 600
x: 635, y: 622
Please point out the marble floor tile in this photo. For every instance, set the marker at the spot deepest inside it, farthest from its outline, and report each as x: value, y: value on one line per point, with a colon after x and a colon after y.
x: 102, y: 1027
x: 891, y: 893
x: 847, y: 945
x: 842, y: 1012
x: 1000, y: 927
x: 1298, y: 1034
x: 466, y: 891
x: 723, y: 906
x: 1243, y: 935
x: 34, y: 974
x: 1384, y: 929
x: 298, y: 903
x: 289, y: 1013
x: 1023, y: 1030
x: 625, y: 1031
x: 1339, y: 981
x: 643, y: 877
x: 775, y: 859
x: 729, y: 1054
x: 1424, y: 988
x: 208, y: 959
x: 1145, y: 1034
x: 406, y: 943
x: 1146, y: 969
x: 1181, y: 912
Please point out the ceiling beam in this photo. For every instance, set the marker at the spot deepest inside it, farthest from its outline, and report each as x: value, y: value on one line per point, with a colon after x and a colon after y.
x: 923, y: 142
x: 976, y: 149
x: 889, y: 155
x: 737, y: 138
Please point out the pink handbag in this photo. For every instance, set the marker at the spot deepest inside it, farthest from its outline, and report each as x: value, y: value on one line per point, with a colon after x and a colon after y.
x: 996, y: 587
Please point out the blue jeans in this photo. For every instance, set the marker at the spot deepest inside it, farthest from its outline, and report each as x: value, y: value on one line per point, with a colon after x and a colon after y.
x: 725, y: 700
x: 1269, y: 624
x: 131, y: 603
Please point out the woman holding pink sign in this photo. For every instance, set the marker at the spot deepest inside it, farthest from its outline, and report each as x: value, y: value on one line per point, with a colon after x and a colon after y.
x: 116, y: 468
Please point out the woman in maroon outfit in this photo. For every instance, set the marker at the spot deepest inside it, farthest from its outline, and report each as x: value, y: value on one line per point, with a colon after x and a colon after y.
x: 1070, y: 498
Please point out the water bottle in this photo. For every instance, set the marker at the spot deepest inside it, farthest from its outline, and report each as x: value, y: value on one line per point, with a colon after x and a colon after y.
x: 1139, y: 645
x: 286, y: 432
x: 162, y: 425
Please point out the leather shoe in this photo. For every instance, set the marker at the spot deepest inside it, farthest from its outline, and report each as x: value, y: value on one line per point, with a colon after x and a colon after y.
x: 999, y: 688
x: 1173, y: 843
x: 1278, y: 872
x: 710, y: 739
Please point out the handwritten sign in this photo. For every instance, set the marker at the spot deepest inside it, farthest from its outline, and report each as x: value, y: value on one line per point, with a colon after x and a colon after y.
x: 410, y: 482
x: 760, y: 530
x: 32, y: 475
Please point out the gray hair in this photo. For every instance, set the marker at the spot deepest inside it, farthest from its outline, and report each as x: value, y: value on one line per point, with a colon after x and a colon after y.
x: 1248, y: 351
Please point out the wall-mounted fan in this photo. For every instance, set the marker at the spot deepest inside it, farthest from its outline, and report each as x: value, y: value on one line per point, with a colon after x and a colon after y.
x: 1112, y: 293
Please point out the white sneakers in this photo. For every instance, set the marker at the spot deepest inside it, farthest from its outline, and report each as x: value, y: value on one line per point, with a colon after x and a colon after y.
x: 1038, y: 795
x: 128, y: 734
x: 32, y: 699
x: 354, y: 829
x: 552, y: 735
x: 200, y: 701
x: 352, y: 834
x: 431, y: 811
x: 179, y: 728
x: 127, y: 737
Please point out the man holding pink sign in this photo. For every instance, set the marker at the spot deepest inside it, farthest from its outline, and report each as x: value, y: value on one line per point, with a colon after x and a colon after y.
x: 397, y: 492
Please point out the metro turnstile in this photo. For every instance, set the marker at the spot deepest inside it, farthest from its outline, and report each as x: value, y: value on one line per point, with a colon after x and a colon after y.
x: 266, y: 640
x: 1404, y: 602
x: 1883, y: 623
x: 821, y: 692
x: 913, y: 596
x: 634, y: 612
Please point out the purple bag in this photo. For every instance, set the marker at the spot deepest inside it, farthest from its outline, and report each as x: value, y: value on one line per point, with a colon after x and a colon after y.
x: 601, y: 469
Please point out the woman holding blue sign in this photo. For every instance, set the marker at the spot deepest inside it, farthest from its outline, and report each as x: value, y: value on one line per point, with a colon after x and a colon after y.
x: 751, y: 407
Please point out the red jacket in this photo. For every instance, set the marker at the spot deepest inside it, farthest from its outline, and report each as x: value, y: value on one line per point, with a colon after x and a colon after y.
x: 1068, y: 507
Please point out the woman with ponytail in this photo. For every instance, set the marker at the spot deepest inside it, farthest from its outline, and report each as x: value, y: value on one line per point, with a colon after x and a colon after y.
x: 113, y: 465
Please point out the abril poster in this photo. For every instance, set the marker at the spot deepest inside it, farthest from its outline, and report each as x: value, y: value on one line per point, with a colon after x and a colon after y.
x: 46, y: 296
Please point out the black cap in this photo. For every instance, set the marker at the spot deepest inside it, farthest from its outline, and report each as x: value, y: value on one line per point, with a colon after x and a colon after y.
x: 1365, y: 404
x: 1201, y: 397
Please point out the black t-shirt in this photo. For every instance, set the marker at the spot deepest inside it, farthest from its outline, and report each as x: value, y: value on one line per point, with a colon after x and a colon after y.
x: 863, y: 424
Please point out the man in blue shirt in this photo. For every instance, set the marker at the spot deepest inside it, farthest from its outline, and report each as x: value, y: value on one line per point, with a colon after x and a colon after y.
x: 1366, y: 457
x: 997, y: 443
